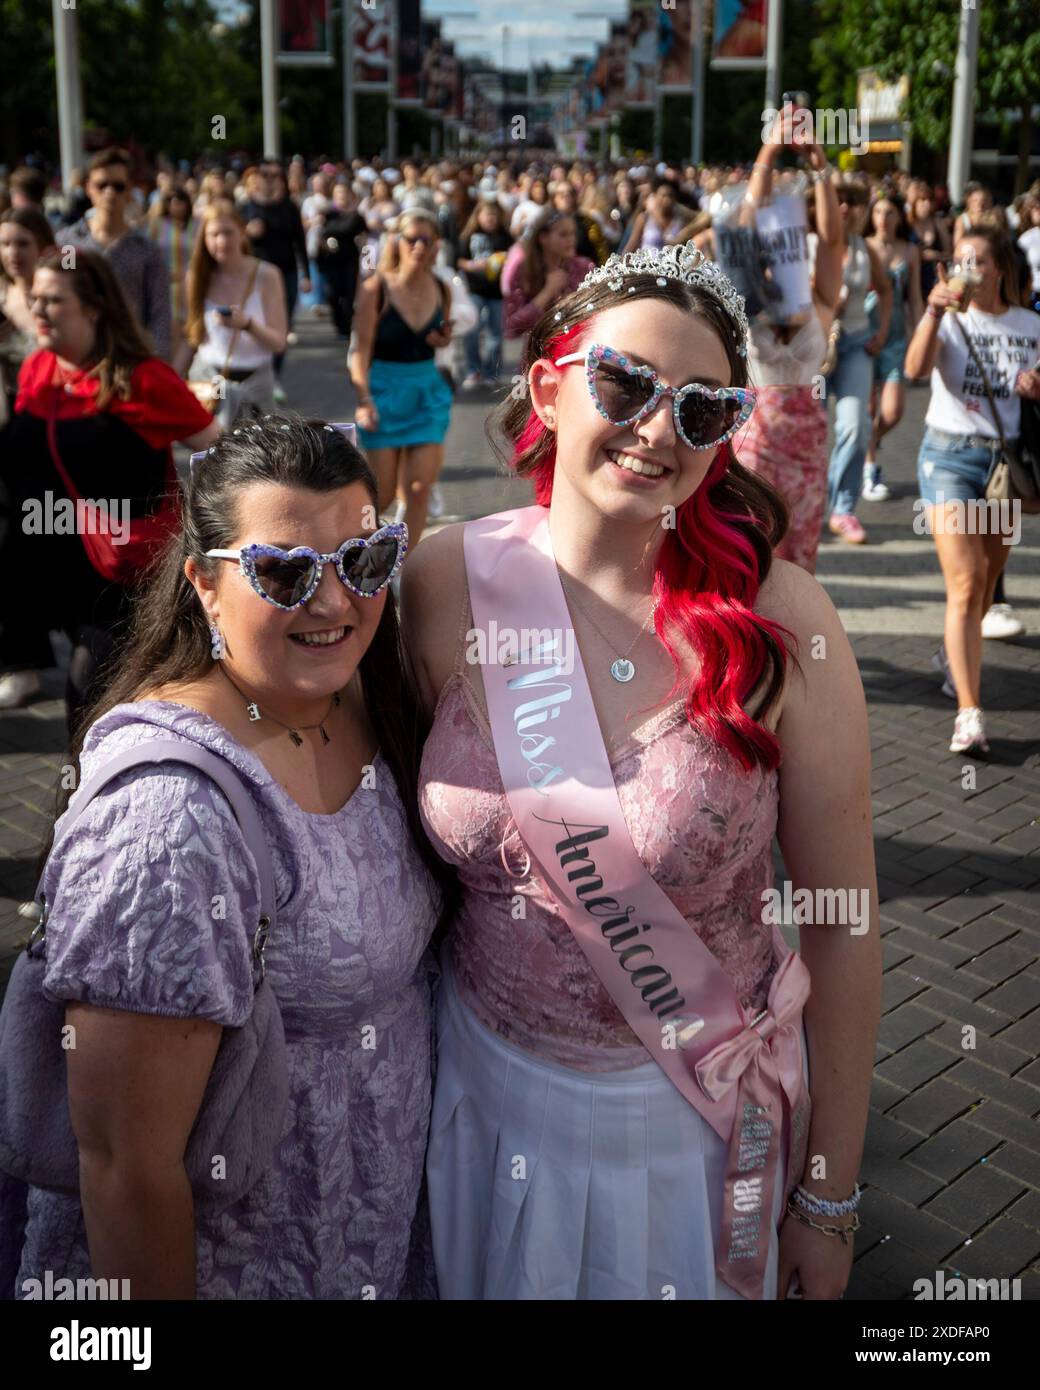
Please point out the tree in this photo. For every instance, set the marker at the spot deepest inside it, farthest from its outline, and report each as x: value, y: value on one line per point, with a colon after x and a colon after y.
x: 919, y: 38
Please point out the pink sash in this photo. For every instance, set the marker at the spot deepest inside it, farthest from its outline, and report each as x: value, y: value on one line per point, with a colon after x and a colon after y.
x: 734, y: 1070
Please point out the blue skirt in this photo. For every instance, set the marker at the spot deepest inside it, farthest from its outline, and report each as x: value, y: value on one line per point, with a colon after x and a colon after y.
x: 414, y: 404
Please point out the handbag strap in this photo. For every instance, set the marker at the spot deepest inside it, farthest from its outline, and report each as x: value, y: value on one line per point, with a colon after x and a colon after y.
x: 233, y: 340
x: 985, y: 381
x: 230, y: 783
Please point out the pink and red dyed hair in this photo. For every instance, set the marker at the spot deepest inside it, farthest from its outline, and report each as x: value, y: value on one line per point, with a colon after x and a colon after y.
x: 709, y: 568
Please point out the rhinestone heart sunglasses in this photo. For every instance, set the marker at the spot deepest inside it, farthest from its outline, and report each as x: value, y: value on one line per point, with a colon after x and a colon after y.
x: 288, y: 578
x: 625, y: 392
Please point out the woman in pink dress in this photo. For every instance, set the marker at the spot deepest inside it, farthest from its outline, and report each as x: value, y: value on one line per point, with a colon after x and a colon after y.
x: 563, y: 1163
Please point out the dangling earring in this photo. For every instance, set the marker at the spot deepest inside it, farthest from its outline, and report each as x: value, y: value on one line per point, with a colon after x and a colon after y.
x: 217, y: 648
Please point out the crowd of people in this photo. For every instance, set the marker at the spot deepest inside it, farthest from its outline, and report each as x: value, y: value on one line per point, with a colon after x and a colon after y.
x: 406, y: 792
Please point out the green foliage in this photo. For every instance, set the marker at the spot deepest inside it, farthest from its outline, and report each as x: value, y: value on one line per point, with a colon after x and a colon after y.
x: 919, y: 37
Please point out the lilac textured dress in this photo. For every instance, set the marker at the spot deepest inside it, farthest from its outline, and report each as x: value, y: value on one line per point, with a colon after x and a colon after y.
x: 132, y: 927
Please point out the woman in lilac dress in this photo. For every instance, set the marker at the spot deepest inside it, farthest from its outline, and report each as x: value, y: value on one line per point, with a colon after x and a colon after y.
x: 308, y: 700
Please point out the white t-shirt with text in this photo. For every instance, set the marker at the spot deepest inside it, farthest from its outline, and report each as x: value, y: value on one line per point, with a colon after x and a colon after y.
x: 1006, y: 344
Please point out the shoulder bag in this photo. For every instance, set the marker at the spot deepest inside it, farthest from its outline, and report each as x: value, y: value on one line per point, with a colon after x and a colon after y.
x: 243, y: 1108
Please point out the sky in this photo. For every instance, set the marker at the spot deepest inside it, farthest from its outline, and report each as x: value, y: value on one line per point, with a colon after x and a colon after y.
x: 549, y: 25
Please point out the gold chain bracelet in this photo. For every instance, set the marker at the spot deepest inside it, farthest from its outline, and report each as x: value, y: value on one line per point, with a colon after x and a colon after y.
x: 843, y: 1231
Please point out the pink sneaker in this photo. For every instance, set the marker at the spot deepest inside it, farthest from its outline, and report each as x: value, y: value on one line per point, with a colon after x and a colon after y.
x: 845, y: 525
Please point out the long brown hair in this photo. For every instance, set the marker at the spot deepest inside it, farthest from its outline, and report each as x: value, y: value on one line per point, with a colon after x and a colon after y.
x: 533, y: 273
x: 168, y: 641
x: 202, y: 265
x: 1002, y: 249
x: 120, y: 343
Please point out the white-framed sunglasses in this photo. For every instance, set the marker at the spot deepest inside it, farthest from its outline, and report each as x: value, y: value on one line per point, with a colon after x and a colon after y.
x: 625, y: 391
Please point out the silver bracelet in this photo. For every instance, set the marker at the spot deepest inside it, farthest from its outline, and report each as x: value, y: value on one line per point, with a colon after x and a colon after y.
x: 823, y: 1206
x: 818, y: 175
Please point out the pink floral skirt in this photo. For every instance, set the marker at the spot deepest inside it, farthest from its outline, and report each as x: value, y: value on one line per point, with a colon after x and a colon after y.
x: 786, y: 443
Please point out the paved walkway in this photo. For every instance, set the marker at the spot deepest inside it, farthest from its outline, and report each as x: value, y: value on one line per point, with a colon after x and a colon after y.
x: 952, y: 1160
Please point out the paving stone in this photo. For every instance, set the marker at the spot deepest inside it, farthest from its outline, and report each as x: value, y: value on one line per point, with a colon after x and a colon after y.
x: 995, y: 1085
x: 897, y: 986
x: 1024, y: 1034
x: 918, y: 944
x: 927, y: 1234
x: 1000, y: 1252
x: 1002, y: 961
x: 1016, y: 996
x: 981, y: 1016
x: 900, y: 1178
x: 964, y: 907
x: 933, y: 1105
x: 983, y: 933
x: 1003, y: 1121
x: 975, y: 1199
x: 991, y: 1052
x: 954, y: 1149
x: 1027, y: 1210
x: 905, y: 1023
x: 915, y: 1064
x: 886, y: 1273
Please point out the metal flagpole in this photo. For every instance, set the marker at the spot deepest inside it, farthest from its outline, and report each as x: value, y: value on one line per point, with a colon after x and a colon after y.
x: 349, y: 111
x: 269, y: 81
x: 66, y: 65
x: 697, y: 121
x: 963, y: 121
x: 774, y: 46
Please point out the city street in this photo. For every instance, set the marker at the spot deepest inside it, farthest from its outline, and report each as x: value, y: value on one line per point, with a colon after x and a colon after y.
x: 952, y: 1159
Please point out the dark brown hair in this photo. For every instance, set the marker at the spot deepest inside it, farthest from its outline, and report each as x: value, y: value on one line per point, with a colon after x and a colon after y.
x: 120, y: 343
x: 34, y: 223
x: 112, y: 154
x: 168, y: 641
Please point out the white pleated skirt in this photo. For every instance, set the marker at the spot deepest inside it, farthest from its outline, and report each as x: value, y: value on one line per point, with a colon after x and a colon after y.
x: 556, y: 1184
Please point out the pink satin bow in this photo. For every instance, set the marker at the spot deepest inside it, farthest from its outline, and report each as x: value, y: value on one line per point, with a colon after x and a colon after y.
x: 778, y: 1031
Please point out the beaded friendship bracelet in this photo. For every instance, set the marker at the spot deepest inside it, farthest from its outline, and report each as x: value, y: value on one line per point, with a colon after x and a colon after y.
x: 822, y: 1206
x: 845, y: 1232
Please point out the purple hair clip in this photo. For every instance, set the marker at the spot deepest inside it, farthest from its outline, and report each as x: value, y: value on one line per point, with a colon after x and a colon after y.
x: 345, y: 427
x: 201, y: 454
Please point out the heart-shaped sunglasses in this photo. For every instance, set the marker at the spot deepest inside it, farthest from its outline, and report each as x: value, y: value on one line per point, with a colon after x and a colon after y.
x: 288, y: 578
x: 625, y: 392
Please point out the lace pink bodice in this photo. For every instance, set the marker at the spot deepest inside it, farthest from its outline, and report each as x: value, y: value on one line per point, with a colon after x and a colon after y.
x: 702, y: 826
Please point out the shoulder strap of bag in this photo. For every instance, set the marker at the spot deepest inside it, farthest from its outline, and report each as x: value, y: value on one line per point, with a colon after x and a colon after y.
x: 233, y: 340
x: 985, y: 381
x: 229, y: 782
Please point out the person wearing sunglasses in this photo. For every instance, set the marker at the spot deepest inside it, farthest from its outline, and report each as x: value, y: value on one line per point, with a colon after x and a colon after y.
x: 702, y: 727
x: 268, y: 636
x: 403, y: 315
x: 138, y: 262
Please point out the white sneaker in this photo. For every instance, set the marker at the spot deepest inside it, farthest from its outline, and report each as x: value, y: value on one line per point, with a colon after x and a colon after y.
x: 278, y: 395
x: 1001, y: 624
x: 969, y: 732
x: 471, y: 381
x: 16, y: 687
x: 435, y: 506
x: 291, y: 339
x: 874, y: 487
x: 943, y: 666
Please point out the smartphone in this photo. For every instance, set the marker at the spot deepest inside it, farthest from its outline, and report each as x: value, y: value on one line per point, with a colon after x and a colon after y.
x: 225, y: 310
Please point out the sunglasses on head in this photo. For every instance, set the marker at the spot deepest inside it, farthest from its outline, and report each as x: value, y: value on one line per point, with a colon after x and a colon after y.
x: 288, y: 578
x: 625, y: 392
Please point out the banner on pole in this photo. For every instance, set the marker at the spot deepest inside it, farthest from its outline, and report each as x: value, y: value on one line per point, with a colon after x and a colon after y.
x: 409, y: 51
x: 740, y: 34
x: 373, y: 46
x: 675, y: 45
x: 304, y: 34
x: 641, y: 80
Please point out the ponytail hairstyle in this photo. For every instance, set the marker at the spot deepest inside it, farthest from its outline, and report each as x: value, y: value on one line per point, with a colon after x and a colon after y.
x: 168, y: 641
x: 712, y: 565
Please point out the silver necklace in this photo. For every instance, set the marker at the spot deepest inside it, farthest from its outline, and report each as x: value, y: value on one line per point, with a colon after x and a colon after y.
x: 621, y: 668
x: 255, y: 713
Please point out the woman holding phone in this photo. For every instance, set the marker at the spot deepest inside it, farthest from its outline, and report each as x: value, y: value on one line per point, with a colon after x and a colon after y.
x: 237, y: 318
x: 403, y: 413
x: 980, y: 347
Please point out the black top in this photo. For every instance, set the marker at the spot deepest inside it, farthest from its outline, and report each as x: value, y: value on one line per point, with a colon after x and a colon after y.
x: 477, y: 247
x: 283, y: 243
x: 395, y: 340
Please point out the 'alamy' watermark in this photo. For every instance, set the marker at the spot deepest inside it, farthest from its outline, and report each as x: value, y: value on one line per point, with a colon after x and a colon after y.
x: 846, y: 125
x: 945, y: 1289
x: 62, y: 1289
x: 969, y: 516
x: 819, y: 907
x: 525, y: 646
x: 60, y: 516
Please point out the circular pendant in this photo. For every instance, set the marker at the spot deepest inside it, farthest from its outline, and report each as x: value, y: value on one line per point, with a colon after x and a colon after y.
x: 622, y: 670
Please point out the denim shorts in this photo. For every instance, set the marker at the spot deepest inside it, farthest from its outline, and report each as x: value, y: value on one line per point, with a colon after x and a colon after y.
x: 888, y: 364
x: 955, y: 465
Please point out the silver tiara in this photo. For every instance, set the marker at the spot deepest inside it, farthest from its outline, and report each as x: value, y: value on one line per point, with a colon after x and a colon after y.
x: 683, y: 263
